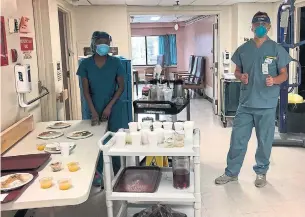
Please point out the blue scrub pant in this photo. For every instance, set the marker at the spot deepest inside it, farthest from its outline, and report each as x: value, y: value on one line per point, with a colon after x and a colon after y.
x: 264, y: 122
x: 114, y: 124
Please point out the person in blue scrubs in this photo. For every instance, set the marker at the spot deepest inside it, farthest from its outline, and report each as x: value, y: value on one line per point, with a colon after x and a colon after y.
x: 103, y: 83
x: 261, y: 66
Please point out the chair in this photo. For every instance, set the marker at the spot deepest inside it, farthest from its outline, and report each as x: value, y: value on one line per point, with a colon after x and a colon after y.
x: 189, y: 77
x: 190, y: 72
x: 149, y: 72
x: 198, y: 80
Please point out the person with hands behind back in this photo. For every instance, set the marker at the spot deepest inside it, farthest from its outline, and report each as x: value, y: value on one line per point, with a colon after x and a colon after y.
x: 102, y: 79
x: 261, y: 66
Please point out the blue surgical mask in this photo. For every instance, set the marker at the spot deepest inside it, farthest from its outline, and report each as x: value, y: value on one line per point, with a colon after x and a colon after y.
x: 102, y: 49
x: 260, y: 31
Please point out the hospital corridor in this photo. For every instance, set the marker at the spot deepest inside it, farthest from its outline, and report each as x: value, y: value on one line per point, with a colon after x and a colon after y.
x: 152, y: 108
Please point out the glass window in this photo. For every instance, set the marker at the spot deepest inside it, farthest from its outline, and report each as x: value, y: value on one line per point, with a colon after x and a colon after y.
x: 145, y: 50
x: 138, y: 50
x: 152, y: 44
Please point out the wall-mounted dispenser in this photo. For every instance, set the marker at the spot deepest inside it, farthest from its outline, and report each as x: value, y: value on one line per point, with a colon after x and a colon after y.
x: 24, y: 85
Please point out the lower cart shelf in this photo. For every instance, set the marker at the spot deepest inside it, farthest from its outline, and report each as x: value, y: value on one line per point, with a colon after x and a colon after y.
x: 165, y: 193
x: 132, y: 209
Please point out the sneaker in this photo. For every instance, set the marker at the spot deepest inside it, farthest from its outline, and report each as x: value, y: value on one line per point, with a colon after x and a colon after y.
x: 97, y: 181
x: 260, y: 181
x: 224, y: 179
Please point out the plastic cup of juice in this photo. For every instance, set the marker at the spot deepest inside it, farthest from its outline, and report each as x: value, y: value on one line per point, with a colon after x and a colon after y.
x: 64, y: 184
x: 40, y: 147
x: 46, y: 182
x: 73, y: 166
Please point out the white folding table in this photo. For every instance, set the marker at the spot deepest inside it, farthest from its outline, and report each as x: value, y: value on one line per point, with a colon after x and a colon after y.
x: 86, y: 153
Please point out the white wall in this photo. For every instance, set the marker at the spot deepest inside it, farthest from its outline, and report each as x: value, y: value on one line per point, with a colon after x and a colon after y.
x: 245, y: 15
x: 111, y: 19
x: 10, y: 110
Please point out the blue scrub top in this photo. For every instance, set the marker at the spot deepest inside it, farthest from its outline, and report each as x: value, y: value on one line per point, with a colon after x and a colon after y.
x: 102, y: 81
x: 250, y: 59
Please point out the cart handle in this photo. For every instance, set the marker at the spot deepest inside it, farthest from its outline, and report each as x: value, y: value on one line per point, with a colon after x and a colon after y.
x: 136, y: 102
x: 105, y: 147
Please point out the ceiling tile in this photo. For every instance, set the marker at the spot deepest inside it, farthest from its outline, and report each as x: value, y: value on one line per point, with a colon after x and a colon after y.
x: 230, y: 2
x: 107, y: 2
x: 80, y: 2
x: 208, y: 2
x: 262, y: 1
x: 173, y: 2
x: 143, y: 2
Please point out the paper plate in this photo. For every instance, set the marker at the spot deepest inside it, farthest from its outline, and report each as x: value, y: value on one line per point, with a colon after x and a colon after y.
x: 50, y: 135
x: 54, y: 148
x: 15, y: 180
x: 59, y: 125
x: 79, y: 134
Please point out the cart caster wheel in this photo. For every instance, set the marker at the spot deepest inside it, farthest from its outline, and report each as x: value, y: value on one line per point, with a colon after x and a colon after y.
x: 225, y: 124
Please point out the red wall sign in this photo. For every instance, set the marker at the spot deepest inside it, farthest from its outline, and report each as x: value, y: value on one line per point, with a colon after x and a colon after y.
x: 26, y: 43
x: 3, y: 45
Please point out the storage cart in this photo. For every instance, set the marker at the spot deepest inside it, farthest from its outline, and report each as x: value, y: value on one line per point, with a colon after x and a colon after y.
x: 161, y: 107
x: 187, y: 200
x: 229, y: 96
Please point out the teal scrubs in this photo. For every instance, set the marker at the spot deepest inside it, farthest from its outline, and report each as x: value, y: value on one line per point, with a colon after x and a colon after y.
x: 103, y: 84
x: 257, y: 103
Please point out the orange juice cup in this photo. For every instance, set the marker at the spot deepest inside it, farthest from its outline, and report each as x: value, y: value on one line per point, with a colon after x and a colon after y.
x: 73, y: 166
x: 64, y: 184
x: 46, y: 182
x: 40, y: 147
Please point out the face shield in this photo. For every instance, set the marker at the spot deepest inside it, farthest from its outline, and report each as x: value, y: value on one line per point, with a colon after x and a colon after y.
x: 260, y: 26
x: 99, y: 39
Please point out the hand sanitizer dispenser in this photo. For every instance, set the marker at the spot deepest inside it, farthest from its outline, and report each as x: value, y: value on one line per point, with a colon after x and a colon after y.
x: 24, y: 85
x: 23, y: 78
x: 226, y: 61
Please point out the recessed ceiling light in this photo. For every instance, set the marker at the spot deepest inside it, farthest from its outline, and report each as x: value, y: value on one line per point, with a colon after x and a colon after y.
x: 155, y: 18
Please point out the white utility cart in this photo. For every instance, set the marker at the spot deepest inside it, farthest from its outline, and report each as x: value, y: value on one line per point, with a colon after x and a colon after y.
x: 187, y: 201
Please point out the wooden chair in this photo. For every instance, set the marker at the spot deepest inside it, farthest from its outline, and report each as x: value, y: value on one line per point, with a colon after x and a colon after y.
x: 187, y: 74
x: 197, y: 82
x: 189, y: 77
x: 149, y: 72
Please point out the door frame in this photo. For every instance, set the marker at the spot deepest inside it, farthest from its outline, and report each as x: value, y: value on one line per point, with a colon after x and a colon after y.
x: 138, y: 10
x: 49, y: 106
x: 67, y: 53
x: 73, y: 80
x: 44, y: 60
x: 215, y: 66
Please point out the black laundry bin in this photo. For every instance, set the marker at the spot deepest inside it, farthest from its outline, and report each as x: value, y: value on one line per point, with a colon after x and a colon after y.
x: 296, y: 118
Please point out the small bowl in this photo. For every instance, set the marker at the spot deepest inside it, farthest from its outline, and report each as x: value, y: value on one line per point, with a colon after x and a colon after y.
x: 64, y: 184
x: 46, y: 182
x: 73, y: 166
x: 56, y: 166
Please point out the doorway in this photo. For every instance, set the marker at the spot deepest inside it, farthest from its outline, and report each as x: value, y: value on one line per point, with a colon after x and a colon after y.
x: 66, y: 96
x: 301, y: 89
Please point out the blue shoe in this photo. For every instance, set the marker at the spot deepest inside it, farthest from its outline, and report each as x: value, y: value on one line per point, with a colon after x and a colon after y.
x: 97, y: 181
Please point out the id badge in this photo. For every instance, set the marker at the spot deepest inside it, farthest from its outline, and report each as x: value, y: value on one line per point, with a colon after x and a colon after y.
x: 265, y: 68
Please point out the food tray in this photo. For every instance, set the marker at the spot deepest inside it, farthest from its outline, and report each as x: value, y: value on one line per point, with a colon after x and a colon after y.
x: 23, y: 162
x: 15, y: 194
x: 138, y: 180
